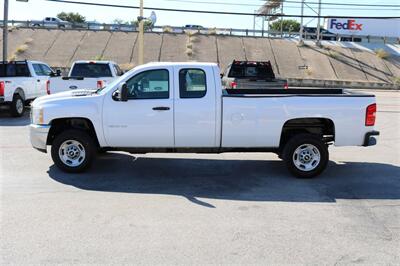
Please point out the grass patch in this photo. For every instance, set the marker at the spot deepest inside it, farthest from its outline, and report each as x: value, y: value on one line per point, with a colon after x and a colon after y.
x: 12, y: 57
x: 308, y: 72
x: 212, y: 31
x: 99, y: 58
x: 382, y: 54
x: 167, y: 29
x: 21, y: 49
x: 126, y: 66
x: 333, y: 54
x: 28, y: 41
x: 189, y: 52
x: 396, y: 81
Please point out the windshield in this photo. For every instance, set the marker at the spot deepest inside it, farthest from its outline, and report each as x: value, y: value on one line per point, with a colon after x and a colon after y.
x: 91, y: 70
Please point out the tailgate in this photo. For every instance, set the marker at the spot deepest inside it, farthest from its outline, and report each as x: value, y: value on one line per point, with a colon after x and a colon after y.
x: 60, y: 84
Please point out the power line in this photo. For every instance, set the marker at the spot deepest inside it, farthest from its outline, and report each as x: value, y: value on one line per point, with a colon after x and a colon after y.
x: 257, y: 5
x: 286, y: 7
x: 343, y: 4
x: 216, y: 12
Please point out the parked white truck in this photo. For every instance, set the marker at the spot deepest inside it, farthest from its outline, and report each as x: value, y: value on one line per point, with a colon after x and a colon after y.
x: 181, y: 107
x: 21, y: 82
x: 86, y: 75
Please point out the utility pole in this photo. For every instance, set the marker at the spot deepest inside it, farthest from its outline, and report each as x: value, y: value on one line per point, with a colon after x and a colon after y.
x: 5, y: 30
x: 141, y: 35
x: 301, y: 42
x: 319, y: 24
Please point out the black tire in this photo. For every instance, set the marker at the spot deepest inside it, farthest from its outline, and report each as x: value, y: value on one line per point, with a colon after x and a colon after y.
x: 290, y: 155
x: 15, y: 108
x: 86, y: 144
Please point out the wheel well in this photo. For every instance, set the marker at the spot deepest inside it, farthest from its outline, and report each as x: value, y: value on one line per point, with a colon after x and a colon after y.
x: 322, y: 127
x: 62, y: 124
x: 20, y: 92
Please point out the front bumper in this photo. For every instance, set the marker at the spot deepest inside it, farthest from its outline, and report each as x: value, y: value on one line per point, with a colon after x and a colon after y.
x: 38, y: 135
x: 369, y: 139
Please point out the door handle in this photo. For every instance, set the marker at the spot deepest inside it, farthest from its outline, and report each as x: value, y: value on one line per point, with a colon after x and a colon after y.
x: 38, y: 80
x: 161, y: 108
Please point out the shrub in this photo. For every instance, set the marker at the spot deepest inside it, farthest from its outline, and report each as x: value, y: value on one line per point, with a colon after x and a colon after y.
x: 167, y: 29
x: 22, y: 48
x: 189, y: 52
x: 382, y: 54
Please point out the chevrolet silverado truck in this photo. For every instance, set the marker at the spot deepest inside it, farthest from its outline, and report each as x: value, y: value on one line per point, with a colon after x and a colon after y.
x: 181, y: 107
x: 86, y: 75
x: 21, y: 82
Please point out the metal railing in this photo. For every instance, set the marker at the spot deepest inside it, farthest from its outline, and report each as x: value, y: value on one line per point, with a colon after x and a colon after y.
x: 95, y: 26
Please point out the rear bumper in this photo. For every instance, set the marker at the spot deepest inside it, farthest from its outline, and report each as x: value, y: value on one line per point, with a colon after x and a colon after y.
x: 38, y: 136
x: 369, y: 139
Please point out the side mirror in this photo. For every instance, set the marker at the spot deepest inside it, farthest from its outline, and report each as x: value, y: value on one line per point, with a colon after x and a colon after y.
x: 121, y: 95
x: 58, y: 72
x: 123, y: 92
x: 221, y: 75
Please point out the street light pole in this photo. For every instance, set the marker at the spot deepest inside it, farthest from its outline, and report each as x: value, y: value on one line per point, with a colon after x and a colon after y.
x: 5, y: 30
x: 141, y: 35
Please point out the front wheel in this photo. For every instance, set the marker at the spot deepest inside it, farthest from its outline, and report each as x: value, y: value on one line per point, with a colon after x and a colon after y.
x: 306, y: 155
x: 73, y: 151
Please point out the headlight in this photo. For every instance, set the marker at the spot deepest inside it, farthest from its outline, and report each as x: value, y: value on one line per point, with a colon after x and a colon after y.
x: 37, y: 116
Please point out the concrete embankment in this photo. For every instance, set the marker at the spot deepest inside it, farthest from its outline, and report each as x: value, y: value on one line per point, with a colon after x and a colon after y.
x: 334, y: 64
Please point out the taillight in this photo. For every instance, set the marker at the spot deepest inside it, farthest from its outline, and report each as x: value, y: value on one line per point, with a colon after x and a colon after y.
x: 233, y: 85
x: 48, y: 87
x: 2, y: 88
x: 99, y: 84
x: 370, y: 115
x: 285, y: 86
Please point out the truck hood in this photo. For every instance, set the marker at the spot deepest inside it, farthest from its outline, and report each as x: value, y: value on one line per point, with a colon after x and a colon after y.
x: 62, y: 96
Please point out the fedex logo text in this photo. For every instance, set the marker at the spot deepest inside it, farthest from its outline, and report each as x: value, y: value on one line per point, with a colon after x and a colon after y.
x: 349, y: 25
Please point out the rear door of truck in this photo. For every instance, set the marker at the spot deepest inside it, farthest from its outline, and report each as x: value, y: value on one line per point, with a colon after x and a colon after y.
x: 195, y: 114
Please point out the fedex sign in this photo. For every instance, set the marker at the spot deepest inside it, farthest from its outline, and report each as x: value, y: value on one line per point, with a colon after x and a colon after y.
x: 347, y: 25
x: 364, y: 27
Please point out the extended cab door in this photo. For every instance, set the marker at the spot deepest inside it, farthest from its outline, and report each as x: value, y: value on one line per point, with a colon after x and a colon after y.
x: 42, y: 75
x: 146, y: 119
x: 195, y: 107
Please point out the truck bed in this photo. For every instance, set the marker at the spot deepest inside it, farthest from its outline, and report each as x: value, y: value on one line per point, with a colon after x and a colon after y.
x: 291, y: 92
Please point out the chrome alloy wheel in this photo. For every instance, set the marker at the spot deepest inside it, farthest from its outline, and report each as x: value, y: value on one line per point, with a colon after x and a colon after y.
x: 306, y: 157
x: 72, y: 153
x: 19, y: 106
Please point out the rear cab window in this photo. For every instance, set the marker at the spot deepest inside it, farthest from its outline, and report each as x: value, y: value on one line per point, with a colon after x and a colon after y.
x: 91, y: 70
x: 17, y: 69
x: 192, y: 83
x: 251, y: 70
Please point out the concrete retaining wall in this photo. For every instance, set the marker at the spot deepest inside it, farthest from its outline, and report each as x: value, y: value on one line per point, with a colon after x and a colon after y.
x: 332, y: 63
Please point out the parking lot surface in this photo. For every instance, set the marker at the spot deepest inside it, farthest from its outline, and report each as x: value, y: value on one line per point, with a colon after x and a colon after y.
x: 185, y: 209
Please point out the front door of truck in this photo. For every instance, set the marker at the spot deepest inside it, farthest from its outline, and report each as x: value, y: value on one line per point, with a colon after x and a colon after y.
x: 146, y: 119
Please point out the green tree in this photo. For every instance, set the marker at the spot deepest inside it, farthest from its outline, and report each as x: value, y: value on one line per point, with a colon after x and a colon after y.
x: 71, y: 17
x: 288, y: 25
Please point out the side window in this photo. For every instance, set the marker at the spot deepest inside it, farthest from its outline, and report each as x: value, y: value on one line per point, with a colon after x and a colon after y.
x: 46, y: 70
x: 152, y: 84
x: 192, y: 83
x: 38, y: 69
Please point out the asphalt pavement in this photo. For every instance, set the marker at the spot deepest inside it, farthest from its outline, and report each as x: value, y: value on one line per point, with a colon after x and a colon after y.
x: 184, y: 209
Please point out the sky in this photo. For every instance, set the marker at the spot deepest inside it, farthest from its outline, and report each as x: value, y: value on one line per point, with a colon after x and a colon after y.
x: 38, y: 9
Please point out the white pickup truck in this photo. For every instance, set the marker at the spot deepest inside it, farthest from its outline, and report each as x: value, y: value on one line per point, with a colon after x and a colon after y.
x: 181, y: 107
x: 86, y: 75
x: 21, y: 82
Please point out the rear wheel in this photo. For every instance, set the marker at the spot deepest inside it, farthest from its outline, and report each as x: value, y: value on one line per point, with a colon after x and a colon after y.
x: 73, y: 151
x: 17, y: 107
x: 306, y: 155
